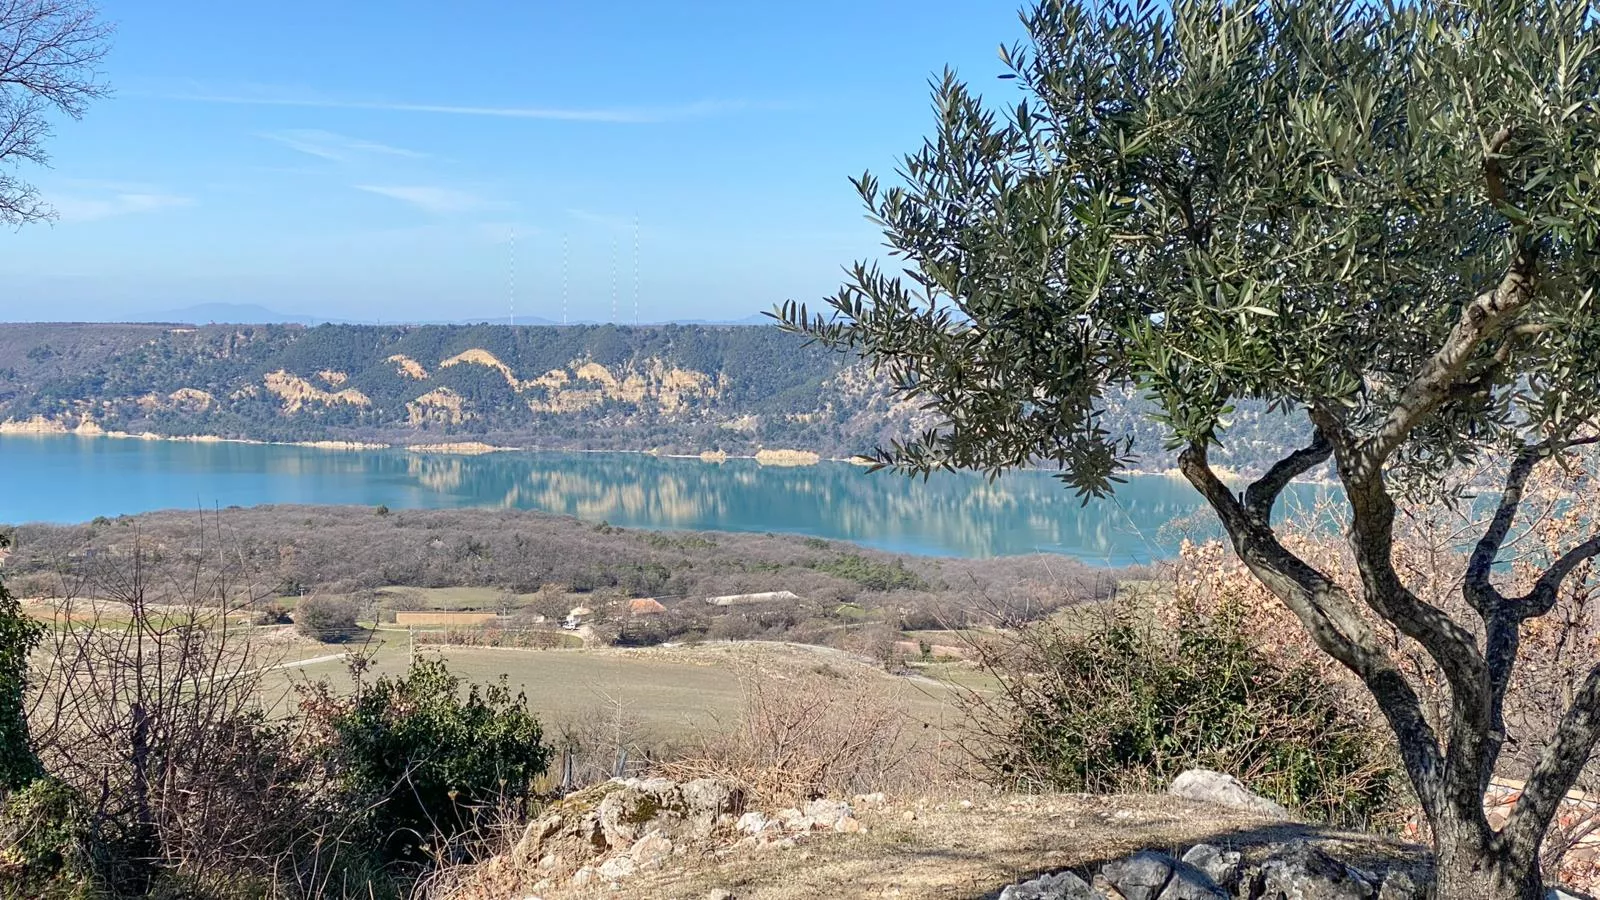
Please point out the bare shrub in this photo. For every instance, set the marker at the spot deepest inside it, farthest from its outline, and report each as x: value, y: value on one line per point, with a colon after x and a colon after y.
x: 150, y: 704
x: 816, y: 732
x: 327, y: 619
x: 606, y: 740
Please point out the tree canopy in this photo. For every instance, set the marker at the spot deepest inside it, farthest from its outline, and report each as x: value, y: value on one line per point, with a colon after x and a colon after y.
x: 1308, y: 203
x: 1384, y: 216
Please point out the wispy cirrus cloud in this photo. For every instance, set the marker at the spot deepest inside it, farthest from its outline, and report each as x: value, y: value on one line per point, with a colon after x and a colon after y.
x: 336, y: 147
x: 433, y: 199
x: 91, y: 201
x: 629, y: 115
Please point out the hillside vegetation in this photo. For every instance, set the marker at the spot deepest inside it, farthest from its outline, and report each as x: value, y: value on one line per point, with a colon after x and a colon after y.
x: 676, y: 388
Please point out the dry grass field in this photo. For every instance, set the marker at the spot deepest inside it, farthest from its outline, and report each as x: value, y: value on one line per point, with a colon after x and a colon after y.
x: 673, y: 693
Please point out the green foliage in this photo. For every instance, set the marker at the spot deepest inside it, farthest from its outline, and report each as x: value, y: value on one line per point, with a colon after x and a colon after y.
x: 328, y: 619
x: 872, y: 574
x: 1216, y: 204
x: 1122, y: 709
x: 19, y: 634
x: 427, y: 762
x: 45, y: 849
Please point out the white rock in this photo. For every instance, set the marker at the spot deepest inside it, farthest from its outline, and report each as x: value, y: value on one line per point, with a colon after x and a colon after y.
x: 752, y: 823
x: 583, y: 877
x: 650, y: 849
x: 617, y: 868
x: 827, y: 812
x: 1221, y: 788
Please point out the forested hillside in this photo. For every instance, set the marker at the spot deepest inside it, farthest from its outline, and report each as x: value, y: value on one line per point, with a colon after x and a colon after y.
x: 676, y: 388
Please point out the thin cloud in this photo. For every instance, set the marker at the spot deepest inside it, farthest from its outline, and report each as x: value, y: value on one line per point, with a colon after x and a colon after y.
x: 336, y: 147
x: 634, y: 115
x: 121, y: 203
x: 437, y: 200
x: 603, y: 220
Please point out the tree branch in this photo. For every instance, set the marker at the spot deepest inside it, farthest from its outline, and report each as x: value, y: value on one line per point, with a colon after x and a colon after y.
x: 1542, y: 597
x: 1478, y: 589
x: 1434, y: 382
x: 1332, y: 619
x: 1556, y: 771
x: 1263, y: 492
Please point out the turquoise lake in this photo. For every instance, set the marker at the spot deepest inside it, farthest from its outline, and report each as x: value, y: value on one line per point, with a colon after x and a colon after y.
x: 72, y: 479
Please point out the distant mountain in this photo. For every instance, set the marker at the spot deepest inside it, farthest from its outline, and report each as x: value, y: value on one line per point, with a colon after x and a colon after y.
x: 230, y: 314
x: 677, y: 388
x: 255, y: 314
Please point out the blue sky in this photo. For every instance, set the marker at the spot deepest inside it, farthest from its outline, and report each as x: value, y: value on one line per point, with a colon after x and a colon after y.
x: 369, y: 160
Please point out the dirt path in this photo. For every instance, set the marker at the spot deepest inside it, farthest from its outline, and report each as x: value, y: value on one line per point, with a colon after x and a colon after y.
x: 298, y: 663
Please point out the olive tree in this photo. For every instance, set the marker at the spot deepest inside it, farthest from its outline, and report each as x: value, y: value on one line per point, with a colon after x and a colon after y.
x: 48, y: 53
x: 1384, y: 217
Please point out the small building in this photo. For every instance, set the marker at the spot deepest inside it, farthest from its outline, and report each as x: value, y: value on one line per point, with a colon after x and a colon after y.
x: 645, y: 606
x: 763, y: 597
x: 575, y: 617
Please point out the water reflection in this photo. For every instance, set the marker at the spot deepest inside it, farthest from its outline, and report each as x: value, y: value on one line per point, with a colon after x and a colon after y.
x: 70, y: 479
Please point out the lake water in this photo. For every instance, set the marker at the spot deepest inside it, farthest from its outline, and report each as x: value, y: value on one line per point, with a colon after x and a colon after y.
x: 71, y: 479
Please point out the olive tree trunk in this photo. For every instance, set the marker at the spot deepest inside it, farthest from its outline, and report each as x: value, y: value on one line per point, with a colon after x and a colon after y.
x: 1450, y: 772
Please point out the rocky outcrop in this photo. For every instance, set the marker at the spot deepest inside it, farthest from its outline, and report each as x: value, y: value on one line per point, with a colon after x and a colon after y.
x: 612, y: 831
x: 1301, y: 869
x: 297, y: 393
x: 1293, y: 870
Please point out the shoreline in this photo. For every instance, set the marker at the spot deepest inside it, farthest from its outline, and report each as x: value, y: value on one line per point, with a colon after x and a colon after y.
x: 766, y: 458
x: 38, y: 426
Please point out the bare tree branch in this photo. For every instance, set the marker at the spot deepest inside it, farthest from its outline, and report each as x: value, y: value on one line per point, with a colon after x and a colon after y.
x: 1478, y: 589
x: 48, y: 53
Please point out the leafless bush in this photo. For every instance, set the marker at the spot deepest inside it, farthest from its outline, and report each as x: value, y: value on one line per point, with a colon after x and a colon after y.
x: 812, y: 733
x: 151, y: 704
x: 327, y: 619
x: 607, y: 740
